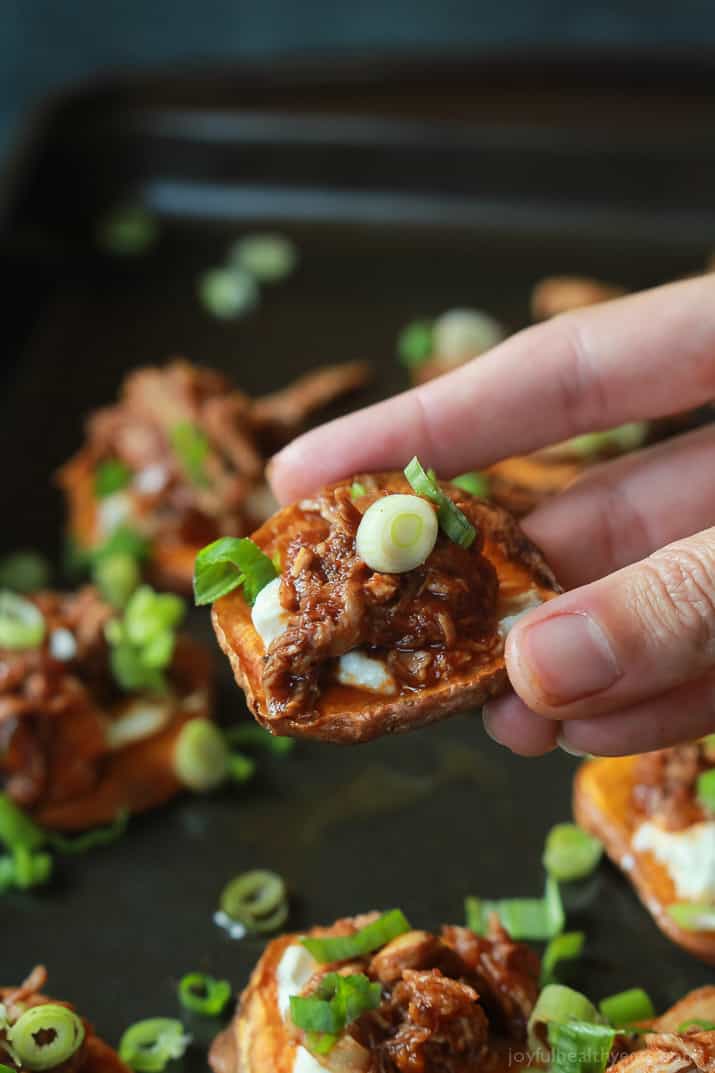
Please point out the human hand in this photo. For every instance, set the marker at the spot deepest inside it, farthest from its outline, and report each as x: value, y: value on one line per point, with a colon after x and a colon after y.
x: 625, y: 661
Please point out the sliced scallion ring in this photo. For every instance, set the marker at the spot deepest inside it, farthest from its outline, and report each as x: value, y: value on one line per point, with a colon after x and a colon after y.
x: 397, y: 533
x: 201, y: 756
x: 477, y: 484
x: 523, y: 918
x: 627, y: 1007
x: 357, y: 489
x: 580, y: 1046
x: 24, y: 572
x: 256, y: 899
x: 266, y: 257
x: 228, y: 292
x: 22, y: 624
x: 364, y: 941
x: 45, y: 1036
x: 148, y: 1046
x: 117, y: 577
x: 693, y: 916
x: 696, y: 1022
x: 570, y: 852
x: 17, y: 829
x: 191, y: 447
x: 415, y: 342
x: 227, y: 563
x: 204, y: 994
x: 111, y: 476
x: 564, y: 947
x: 560, y: 1004
x: 337, y: 1002
x: 451, y: 519
x: 705, y: 789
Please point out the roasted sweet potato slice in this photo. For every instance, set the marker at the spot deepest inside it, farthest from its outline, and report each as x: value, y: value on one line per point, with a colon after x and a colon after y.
x: 433, y: 675
x: 603, y: 804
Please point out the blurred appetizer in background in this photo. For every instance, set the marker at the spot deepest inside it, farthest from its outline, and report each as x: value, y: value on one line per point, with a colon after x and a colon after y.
x: 429, y: 348
x: 41, y: 1033
x: 179, y: 461
x: 655, y: 815
x: 560, y: 294
x: 379, y: 605
x: 96, y: 705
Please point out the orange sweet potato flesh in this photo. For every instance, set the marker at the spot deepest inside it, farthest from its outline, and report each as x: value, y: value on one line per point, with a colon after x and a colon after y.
x: 602, y: 804
x: 348, y: 715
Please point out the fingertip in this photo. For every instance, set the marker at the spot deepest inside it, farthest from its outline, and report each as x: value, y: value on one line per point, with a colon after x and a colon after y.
x: 510, y: 723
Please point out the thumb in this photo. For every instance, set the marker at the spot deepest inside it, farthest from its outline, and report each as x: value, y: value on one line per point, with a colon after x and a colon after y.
x: 630, y: 636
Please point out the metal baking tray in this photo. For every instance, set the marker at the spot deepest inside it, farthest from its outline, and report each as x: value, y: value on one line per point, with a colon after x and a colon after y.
x: 409, y: 188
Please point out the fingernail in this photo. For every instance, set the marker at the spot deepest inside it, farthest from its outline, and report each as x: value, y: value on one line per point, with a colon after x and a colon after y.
x: 568, y: 657
x: 567, y: 748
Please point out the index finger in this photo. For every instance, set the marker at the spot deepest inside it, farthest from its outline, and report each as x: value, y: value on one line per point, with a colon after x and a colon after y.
x: 640, y: 357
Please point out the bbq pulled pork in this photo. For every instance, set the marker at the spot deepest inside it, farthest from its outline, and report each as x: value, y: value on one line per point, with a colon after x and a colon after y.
x: 664, y: 784
x: 93, y: 1055
x: 193, y: 450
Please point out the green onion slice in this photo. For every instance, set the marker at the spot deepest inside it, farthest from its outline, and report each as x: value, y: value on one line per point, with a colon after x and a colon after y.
x: 477, y: 484
x: 227, y: 292
x: 364, y: 941
x: 227, y: 563
x: 192, y: 449
x: 626, y: 1007
x: 580, y: 1047
x: 705, y: 789
x: 252, y: 735
x: 111, y: 476
x: 696, y: 1022
x: 124, y: 540
x: 268, y: 258
x: 241, y: 768
x: 45, y: 1036
x: 415, y: 343
x: 89, y: 840
x: 693, y: 916
x: 560, y: 1004
x: 256, y: 899
x: 24, y: 869
x: 150, y: 614
x: 6, y: 1069
x: 17, y: 830
x: 454, y: 523
x: 570, y: 852
x: 357, y: 489
x: 565, y: 947
x: 337, y: 1002
x: 24, y: 572
x: 204, y: 994
x: 148, y: 1046
x: 201, y: 756
x: 117, y: 577
x: 523, y: 918
x: 22, y: 624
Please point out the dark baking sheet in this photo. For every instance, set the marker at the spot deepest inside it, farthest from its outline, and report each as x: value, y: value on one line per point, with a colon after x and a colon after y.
x: 406, y: 200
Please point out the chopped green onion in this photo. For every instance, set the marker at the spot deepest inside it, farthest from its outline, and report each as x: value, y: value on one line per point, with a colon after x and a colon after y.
x: 192, y: 449
x: 705, y: 789
x: 45, y: 1036
x: 148, y: 1046
x: 22, y: 624
x: 357, y: 489
x: 696, y: 1022
x: 256, y: 899
x: 142, y: 641
x: 251, y: 735
x: 17, y: 830
x: 204, y: 994
x: 89, y: 840
x: 560, y: 1004
x: 150, y: 614
x: 579, y: 1047
x: 128, y: 230
x: 414, y: 345
x: 268, y: 258
x: 465, y: 333
x: 227, y: 563
x: 117, y: 577
x: 241, y: 768
x: 627, y: 1007
x: 523, y: 918
x: 623, y: 438
x: 201, y: 756
x: 227, y: 292
x: 124, y: 540
x: 110, y: 477
x: 570, y: 852
x: 24, y: 572
x: 396, y: 533
x: 25, y: 869
x: 693, y: 916
x: 564, y: 947
x: 337, y: 1002
x: 477, y: 484
x: 6, y: 1069
x: 364, y: 941
x: 454, y: 523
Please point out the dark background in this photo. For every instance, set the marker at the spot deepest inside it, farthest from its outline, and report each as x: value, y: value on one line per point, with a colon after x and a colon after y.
x: 50, y: 44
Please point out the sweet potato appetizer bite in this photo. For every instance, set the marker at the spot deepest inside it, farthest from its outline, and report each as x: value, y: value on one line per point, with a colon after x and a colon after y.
x: 41, y: 1033
x: 448, y: 1003
x: 379, y: 605
x: 93, y: 702
x: 655, y: 814
x: 179, y: 461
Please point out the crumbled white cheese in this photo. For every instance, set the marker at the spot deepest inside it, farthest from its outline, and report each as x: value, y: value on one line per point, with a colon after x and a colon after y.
x: 688, y: 856
x: 139, y: 719
x: 305, y: 1063
x: 151, y: 480
x: 516, y: 607
x: 363, y: 672
x: 270, y: 618
x: 63, y: 645
x: 112, y: 511
x: 294, y: 970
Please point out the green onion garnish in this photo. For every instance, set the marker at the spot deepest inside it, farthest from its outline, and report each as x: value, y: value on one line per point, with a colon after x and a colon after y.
x: 142, y: 641
x: 622, y: 438
x: 128, y: 230
x: 89, y: 840
x: 22, y: 624
x: 191, y: 447
x: 17, y: 830
x: 250, y: 735
x: 24, y: 868
x: 337, y: 1002
x: 626, y: 1007
x: 24, y: 572
x: 579, y: 1047
x: 201, y: 757
x: 148, y: 1046
x: 110, y: 477
x: 204, y: 994
x: 256, y: 899
x: 45, y: 1036
x: 454, y: 523
x: 705, y: 790
x: 227, y: 292
x: 696, y: 1022
x: 477, y: 484
x: 564, y: 947
x: 364, y: 941
x: 570, y: 852
x: 117, y: 577
x: 268, y: 258
x: 523, y: 918
x: 357, y: 489
x: 124, y: 540
x: 559, y: 1004
x: 227, y: 563
x: 693, y: 916
x: 415, y: 343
